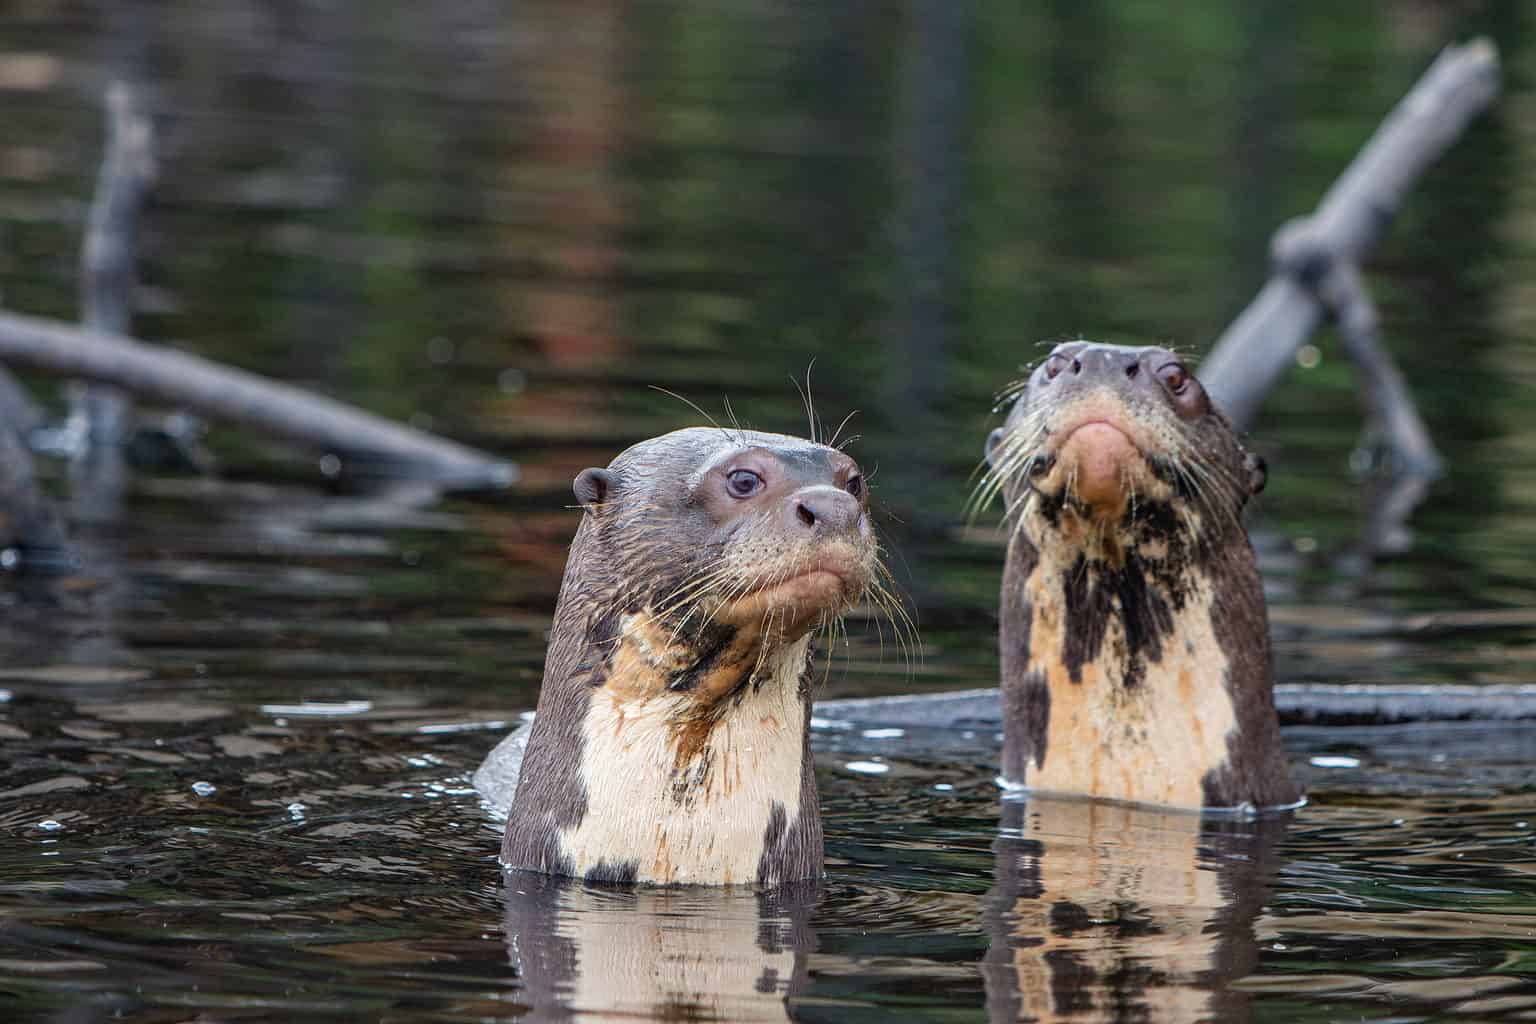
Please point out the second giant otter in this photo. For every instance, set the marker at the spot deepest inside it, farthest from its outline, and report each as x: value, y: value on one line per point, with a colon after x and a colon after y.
x: 1134, y: 639
x: 671, y: 743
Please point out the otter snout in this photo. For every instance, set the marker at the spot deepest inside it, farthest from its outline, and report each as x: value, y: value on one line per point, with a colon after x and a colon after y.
x: 1100, y: 460
x: 1139, y: 376
x: 1100, y: 364
x: 825, y: 511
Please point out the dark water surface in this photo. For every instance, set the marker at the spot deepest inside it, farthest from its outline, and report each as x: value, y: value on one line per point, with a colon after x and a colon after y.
x: 236, y: 750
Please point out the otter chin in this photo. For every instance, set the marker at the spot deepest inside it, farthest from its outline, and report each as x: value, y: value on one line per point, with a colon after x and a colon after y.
x: 671, y: 742
x: 1134, y: 639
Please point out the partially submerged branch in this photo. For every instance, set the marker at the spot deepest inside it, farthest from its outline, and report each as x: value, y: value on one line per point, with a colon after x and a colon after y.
x: 99, y: 413
x: 1249, y: 357
x: 366, y: 443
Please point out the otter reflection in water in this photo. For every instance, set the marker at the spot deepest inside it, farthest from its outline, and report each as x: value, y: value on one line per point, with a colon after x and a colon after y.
x: 603, y: 952
x: 1107, y: 912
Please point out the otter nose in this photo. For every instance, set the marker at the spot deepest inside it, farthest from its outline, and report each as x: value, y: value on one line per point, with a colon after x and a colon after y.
x: 1105, y: 364
x: 826, y: 510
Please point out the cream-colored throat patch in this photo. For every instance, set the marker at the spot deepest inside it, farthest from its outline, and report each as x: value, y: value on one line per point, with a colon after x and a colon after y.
x: 690, y: 803
x: 1148, y: 734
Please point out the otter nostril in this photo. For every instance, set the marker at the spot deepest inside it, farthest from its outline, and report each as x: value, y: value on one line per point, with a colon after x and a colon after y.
x: 1077, y: 366
x: 1131, y: 370
x: 804, y: 512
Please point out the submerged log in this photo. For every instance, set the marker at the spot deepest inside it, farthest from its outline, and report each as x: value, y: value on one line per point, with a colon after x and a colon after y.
x: 1297, y: 703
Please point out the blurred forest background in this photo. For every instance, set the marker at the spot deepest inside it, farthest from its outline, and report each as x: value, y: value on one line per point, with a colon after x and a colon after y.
x: 502, y: 222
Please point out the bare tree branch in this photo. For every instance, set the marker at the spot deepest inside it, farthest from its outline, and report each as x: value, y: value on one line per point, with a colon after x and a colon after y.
x: 99, y: 413
x: 1260, y: 344
x: 366, y: 443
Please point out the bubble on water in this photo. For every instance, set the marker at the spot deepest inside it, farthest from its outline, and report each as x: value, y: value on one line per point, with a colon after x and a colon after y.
x: 296, y: 811
x: 5, y: 696
x: 867, y: 767
x: 204, y: 788
x: 883, y: 734
x: 1399, y: 822
x: 943, y: 787
x: 1334, y: 761
x: 49, y: 825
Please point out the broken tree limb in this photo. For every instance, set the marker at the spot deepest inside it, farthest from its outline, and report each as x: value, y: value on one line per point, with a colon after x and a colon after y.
x: 1261, y: 343
x: 99, y: 412
x: 367, y: 444
x: 1387, y: 399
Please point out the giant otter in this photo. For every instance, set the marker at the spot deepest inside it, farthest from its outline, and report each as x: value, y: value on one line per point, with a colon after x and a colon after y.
x: 1134, y: 640
x: 671, y: 741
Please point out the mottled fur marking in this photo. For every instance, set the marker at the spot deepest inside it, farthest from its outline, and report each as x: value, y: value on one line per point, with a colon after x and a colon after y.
x: 671, y: 741
x: 1137, y: 634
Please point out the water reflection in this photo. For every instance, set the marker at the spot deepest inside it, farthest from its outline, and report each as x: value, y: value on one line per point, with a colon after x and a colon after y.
x: 586, y: 952
x: 1104, y: 911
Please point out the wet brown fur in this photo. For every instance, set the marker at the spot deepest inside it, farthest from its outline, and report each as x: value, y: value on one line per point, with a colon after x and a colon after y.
x: 1098, y: 602
x: 681, y: 625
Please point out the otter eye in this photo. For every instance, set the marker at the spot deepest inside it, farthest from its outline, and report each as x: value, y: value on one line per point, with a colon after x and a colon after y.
x: 1174, y: 377
x: 743, y: 483
x: 855, y: 485
x: 1054, y: 365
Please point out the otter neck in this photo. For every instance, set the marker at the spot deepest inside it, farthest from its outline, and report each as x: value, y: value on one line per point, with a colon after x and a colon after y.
x: 1118, y: 683
x: 695, y: 762
x: 1108, y: 595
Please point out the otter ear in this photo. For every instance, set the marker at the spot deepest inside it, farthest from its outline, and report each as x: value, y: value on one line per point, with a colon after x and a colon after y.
x: 993, y: 440
x: 592, y: 486
x: 1258, y: 472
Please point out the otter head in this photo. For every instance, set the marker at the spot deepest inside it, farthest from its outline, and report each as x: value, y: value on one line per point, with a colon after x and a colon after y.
x: 1134, y: 640
x: 671, y: 740
x: 1108, y: 444
x: 721, y: 551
